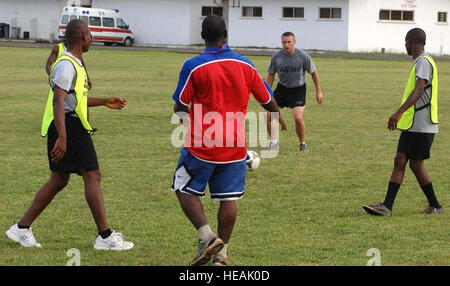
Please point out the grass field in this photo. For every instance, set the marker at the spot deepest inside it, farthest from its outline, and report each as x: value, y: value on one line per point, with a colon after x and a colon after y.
x: 298, y: 209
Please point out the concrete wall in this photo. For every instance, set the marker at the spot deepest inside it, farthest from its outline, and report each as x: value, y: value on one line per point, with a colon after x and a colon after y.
x: 39, y: 18
x: 368, y: 34
x: 311, y: 32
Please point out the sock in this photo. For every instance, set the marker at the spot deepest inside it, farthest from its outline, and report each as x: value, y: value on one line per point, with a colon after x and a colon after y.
x: 302, y: 143
x: 429, y: 193
x: 391, y: 193
x: 23, y: 226
x: 205, y: 232
x: 104, y: 234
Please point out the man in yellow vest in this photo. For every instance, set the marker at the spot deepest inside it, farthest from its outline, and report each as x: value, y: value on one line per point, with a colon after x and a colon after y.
x: 417, y: 119
x: 70, y: 148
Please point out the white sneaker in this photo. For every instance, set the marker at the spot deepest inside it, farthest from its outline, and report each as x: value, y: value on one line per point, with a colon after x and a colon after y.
x: 24, y: 236
x: 113, y: 242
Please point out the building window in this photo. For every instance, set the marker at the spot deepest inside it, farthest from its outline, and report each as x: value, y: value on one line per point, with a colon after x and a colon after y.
x: 330, y: 13
x: 293, y: 12
x: 442, y: 17
x: 212, y: 10
x: 252, y: 12
x: 108, y: 22
x: 396, y: 15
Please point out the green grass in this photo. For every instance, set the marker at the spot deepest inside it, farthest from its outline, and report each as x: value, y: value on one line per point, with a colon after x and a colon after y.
x: 299, y: 209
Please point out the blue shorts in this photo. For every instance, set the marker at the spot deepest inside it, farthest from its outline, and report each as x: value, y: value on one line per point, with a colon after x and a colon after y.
x: 226, y: 181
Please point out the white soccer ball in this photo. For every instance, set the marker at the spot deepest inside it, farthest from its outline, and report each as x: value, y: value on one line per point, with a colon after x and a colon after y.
x: 252, y: 160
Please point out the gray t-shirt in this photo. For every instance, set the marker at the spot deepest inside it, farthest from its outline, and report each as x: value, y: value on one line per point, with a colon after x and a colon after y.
x: 291, y: 68
x: 63, y: 76
x: 422, y: 118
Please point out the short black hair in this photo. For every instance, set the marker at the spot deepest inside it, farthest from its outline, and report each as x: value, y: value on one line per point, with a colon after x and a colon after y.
x: 288, y: 34
x: 214, y: 28
x: 416, y: 35
x: 74, y: 31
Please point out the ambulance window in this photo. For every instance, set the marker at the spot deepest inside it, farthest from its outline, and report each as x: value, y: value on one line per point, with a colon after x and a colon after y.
x: 65, y: 19
x: 84, y: 19
x: 108, y: 22
x: 95, y: 21
x: 121, y: 24
x: 73, y: 17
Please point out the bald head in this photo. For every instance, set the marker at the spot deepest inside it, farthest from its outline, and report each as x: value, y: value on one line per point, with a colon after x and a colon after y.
x: 77, y: 32
x: 214, y: 29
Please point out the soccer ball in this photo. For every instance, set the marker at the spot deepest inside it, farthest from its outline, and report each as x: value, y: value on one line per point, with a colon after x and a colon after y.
x: 252, y: 160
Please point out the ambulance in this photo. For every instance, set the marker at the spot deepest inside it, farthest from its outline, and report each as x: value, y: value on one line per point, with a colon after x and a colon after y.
x: 106, y: 25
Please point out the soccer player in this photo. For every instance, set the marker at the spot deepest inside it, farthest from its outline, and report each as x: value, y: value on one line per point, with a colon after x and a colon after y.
x: 212, y: 86
x: 57, y: 51
x: 70, y: 148
x: 291, y: 64
x: 417, y: 119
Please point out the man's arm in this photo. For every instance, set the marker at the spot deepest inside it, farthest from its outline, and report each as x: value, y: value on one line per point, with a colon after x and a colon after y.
x: 51, y: 59
x: 58, y: 151
x: 270, y: 79
x: 272, y: 106
x: 110, y: 102
x: 316, y: 80
x: 413, y: 97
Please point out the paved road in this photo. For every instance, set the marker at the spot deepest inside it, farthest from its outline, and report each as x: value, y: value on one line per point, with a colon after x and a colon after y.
x: 198, y: 49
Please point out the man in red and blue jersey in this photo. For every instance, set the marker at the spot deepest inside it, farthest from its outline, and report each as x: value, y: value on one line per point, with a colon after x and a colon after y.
x: 212, y: 95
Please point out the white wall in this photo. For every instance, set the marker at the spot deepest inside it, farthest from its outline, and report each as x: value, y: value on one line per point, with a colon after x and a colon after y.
x: 368, y: 34
x: 311, y: 33
x: 154, y: 21
x: 40, y: 18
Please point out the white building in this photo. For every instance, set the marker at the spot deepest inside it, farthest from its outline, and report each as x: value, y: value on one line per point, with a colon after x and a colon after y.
x: 344, y: 25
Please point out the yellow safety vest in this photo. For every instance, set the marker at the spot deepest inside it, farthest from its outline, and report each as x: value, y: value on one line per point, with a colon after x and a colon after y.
x: 81, y: 91
x: 407, y: 120
x: 61, y: 49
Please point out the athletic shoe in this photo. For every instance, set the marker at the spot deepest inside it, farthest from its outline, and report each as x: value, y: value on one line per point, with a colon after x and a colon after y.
x: 302, y: 147
x: 113, y: 242
x: 273, y: 145
x: 220, y: 260
x: 206, y: 249
x: 24, y: 236
x: 433, y: 210
x: 378, y: 210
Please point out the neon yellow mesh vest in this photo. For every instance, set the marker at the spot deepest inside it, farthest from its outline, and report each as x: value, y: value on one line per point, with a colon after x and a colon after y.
x: 81, y: 91
x: 406, y: 122
x: 61, y: 49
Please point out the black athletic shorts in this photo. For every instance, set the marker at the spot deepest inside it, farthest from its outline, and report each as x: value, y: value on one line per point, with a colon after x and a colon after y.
x: 415, y: 145
x: 290, y: 97
x: 80, y: 152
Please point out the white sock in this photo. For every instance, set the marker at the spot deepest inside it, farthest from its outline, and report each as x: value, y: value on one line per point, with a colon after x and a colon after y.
x: 205, y: 232
x: 302, y: 143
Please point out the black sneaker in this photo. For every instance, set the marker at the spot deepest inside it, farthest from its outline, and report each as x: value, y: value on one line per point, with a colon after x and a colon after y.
x: 302, y: 147
x: 378, y: 209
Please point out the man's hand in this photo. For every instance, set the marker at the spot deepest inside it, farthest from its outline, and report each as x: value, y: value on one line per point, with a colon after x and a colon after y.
x: 115, y: 102
x: 59, y: 150
x: 319, y: 97
x: 393, y: 120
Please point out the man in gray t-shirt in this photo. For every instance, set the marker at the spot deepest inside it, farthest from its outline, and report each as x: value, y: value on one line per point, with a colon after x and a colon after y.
x: 291, y: 64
